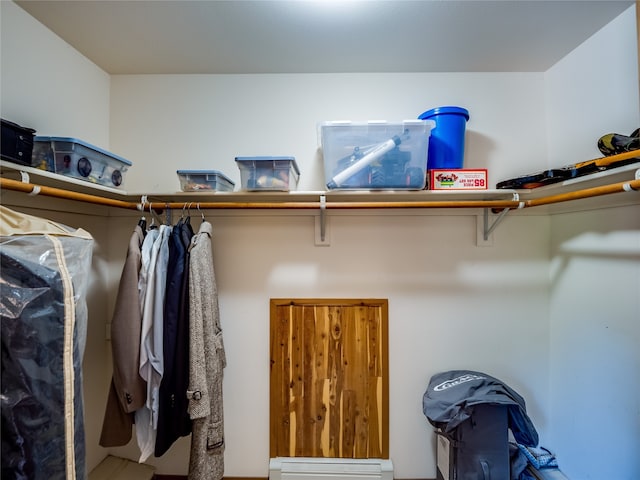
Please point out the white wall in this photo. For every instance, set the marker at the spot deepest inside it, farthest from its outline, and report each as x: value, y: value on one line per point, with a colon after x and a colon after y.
x: 595, y: 277
x: 47, y: 85
x: 447, y: 310
x: 593, y: 91
x: 452, y: 304
x: 204, y: 121
x: 166, y: 122
x: 595, y: 333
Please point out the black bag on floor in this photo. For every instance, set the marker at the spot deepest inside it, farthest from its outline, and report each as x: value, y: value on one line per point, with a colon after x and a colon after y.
x: 478, y: 449
x: 473, y: 413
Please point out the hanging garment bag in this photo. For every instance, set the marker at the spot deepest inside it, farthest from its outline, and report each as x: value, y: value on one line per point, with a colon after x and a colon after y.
x: 44, y: 271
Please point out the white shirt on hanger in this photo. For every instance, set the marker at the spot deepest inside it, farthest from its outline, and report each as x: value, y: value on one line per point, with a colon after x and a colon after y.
x: 151, y: 340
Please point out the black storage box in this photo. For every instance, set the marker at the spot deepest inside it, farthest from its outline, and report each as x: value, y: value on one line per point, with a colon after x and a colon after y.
x: 478, y: 449
x: 17, y: 143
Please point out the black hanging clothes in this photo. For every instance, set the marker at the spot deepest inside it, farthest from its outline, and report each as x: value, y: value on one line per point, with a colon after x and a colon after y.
x: 173, y: 417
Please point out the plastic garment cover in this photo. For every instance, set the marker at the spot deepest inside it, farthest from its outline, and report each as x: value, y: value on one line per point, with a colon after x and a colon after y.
x: 451, y: 397
x: 44, y: 270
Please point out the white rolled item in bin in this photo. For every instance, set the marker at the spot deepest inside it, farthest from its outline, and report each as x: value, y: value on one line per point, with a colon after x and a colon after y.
x: 369, y: 158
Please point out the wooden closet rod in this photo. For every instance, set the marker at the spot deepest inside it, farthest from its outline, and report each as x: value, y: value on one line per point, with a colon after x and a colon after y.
x: 631, y: 185
x: 30, y: 188
x: 33, y: 189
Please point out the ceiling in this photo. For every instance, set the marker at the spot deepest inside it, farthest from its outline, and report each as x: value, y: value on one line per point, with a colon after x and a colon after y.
x: 323, y: 36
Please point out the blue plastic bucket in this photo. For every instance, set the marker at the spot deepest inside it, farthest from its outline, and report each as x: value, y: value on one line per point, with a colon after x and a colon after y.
x: 446, y: 144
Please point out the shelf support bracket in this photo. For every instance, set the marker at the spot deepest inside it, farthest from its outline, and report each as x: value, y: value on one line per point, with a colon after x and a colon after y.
x: 321, y: 224
x: 323, y: 217
x: 490, y: 228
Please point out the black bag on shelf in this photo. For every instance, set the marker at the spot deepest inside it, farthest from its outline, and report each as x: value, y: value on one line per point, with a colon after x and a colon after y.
x: 17, y: 143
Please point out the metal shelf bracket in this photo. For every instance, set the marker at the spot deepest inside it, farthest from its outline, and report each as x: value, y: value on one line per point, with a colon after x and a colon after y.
x: 490, y: 228
x: 322, y: 234
x: 323, y: 217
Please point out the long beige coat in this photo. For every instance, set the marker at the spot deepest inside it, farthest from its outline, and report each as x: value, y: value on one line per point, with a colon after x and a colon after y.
x: 128, y: 390
x: 206, y: 362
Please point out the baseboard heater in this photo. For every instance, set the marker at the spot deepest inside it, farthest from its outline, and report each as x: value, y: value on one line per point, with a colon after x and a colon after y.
x: 309, y: 468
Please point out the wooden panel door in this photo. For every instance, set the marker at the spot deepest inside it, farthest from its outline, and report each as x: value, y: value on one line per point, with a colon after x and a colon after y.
x: 329, y: 378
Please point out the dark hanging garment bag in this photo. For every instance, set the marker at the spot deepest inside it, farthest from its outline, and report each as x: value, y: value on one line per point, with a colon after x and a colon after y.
x: 44, y: 274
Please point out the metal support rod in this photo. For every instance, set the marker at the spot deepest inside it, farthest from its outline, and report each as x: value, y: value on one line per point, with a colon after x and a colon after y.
x: 323, y: 216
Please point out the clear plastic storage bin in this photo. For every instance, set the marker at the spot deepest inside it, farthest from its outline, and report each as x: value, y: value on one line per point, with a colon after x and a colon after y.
x: 375, y: 155
x: 78, y: 159
x: 204, y: 180
x: 268, y: 173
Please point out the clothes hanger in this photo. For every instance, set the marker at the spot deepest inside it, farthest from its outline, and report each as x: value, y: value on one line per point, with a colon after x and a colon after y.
x: 154, y: 216
x: 187, y: 220
x: 182, y: 214
x: 142, y: 223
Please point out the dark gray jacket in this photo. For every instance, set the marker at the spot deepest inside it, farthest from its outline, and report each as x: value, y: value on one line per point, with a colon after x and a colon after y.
x: 451, y: 397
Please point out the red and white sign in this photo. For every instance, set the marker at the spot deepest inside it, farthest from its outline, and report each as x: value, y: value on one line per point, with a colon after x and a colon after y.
x: 458, y: 179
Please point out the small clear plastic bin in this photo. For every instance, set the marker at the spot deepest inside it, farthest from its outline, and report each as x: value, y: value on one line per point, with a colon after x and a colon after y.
x: 78, y: 159
x: 268, y: 173
x: 204, y: 180
x: 375, y: 155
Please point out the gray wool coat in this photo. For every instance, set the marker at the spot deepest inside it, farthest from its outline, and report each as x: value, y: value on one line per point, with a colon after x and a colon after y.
x: 206, y: 362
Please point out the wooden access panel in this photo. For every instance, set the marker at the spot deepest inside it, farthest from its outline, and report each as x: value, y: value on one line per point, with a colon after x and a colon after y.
x: 329, y: 378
